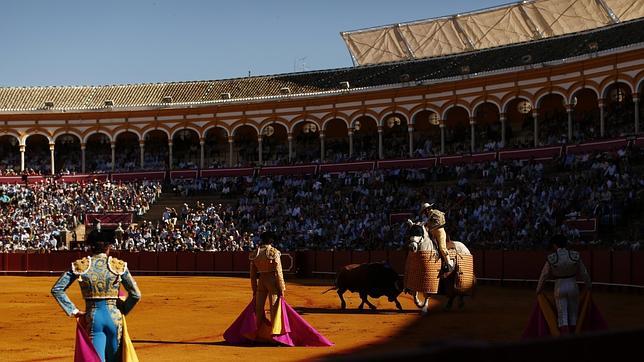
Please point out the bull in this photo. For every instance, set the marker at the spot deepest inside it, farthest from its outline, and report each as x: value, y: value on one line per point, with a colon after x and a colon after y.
x: 369, y: 280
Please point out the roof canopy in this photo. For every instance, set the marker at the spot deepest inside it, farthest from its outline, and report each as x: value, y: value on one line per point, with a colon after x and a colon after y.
x: 508, y: 24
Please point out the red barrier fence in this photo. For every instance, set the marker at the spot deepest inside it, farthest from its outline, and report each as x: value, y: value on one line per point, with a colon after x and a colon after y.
x: 225, y: 172
x: 288, y: 170
x: 134, y: 176
x: 599, y: 146
x: 613, y: 267
x: 184, y: 174
x: 347, y: 167
x: 542, y: 153
x: 408, y: 163
x: 639, y: 141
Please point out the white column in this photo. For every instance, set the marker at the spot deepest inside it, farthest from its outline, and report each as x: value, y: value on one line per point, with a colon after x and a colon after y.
x: 322, y: 150
x: 502, y: 118
x: 202, y: 144
x: 472, y: 136
x: 113, y: 145
x: 636, y: 102
x: 535, y: 122
x: 350, y: 133
x: 22, y: 157
x: 231, y: 140
x: 380, y: 150
x: 170, y: 161
x: 601, y: 118
x: 51, y: 152
x: 83, y: 147
x: 142, y: 153
x: 569, y: 110
x: 259, y: 150
x: 410, y: 131
x: 290, y: 147
x: 442, y: 127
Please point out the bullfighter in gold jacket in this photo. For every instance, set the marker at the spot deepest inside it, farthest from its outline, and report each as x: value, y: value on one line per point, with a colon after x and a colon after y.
x: 435, y: 223
x: 266, y: 277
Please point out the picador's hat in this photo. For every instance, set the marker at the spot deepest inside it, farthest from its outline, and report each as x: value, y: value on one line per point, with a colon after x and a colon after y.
x: 424, y: 207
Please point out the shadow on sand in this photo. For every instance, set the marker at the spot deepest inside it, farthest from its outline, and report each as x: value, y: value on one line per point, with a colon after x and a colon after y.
x: 146, y: 341
x: 306, y: 310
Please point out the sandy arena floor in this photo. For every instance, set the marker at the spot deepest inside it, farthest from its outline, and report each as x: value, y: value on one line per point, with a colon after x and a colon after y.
x: 183, y: 319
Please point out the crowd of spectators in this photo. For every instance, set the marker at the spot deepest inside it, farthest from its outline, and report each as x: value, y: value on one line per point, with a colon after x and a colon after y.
x: 201, y: 227
x: 38, y: 216
x: 515, y: 205
x: 512, y: 205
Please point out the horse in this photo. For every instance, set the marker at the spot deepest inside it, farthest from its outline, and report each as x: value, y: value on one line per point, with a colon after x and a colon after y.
x: 423, y: 267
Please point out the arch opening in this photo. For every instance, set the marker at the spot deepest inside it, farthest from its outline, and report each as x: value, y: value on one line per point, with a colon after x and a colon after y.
x: 395, y: 136
x: 156, y: 152
x: 67, y: 154
x: 128, y: 153
x: 186, y: 150
x: 10, y: 155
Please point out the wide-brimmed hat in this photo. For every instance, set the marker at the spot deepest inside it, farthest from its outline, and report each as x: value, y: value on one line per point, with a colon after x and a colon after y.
x: 425, y: 206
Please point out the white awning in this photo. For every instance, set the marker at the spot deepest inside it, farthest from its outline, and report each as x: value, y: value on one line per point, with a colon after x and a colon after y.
x: 509, y: 24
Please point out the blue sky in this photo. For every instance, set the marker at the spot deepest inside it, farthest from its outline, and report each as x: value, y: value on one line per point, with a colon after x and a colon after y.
x: 90, y: 42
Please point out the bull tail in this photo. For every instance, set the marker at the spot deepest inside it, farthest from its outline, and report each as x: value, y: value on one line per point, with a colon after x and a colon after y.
x: 330, y: 289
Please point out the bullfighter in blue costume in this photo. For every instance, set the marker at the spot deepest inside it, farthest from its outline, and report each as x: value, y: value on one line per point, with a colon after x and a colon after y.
x: 100, y: 277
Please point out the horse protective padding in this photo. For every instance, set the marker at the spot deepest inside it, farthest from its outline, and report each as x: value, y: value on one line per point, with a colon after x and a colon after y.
x: 421, y: 271
x: 465, y: 278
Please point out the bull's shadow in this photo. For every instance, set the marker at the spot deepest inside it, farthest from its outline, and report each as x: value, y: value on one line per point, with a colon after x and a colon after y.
x: 310, y: 310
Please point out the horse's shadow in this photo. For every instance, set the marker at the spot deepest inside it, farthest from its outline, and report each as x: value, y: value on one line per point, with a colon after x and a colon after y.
x: 308, y: 310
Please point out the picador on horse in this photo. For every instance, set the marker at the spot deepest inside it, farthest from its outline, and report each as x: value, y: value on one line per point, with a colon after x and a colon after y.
x: 435, y: 260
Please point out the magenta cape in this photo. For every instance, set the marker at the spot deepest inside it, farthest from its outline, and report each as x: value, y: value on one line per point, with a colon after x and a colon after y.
x: 543, y: 319
x: 85, y: 351
x: 294, y: 330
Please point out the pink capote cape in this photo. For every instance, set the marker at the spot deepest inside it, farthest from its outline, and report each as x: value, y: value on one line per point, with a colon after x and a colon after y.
x: 289, y: 329
x: 85, y: 351
x: 543, y: 319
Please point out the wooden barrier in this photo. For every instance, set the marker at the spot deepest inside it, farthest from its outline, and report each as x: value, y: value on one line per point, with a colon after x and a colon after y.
x: 323, y: 262
x: 605, y: 266
x: 148, y: 261
x: 621, y: 266
x: 204, y: 262
x: 223, y: 261
x: 359, y: 257
x: 376, y: 256
x: 340, y: 259
x: 523, y: 264
x: 493, y: 265
x: 601, y: 267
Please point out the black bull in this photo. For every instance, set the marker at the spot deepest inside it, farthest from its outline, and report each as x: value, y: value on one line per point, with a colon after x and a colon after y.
x: 369, y: 279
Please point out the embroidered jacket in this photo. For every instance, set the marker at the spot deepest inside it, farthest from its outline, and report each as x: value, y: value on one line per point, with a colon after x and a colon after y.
x: 563, y: 264
x: 99, y: 277
x: 264, y: 260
